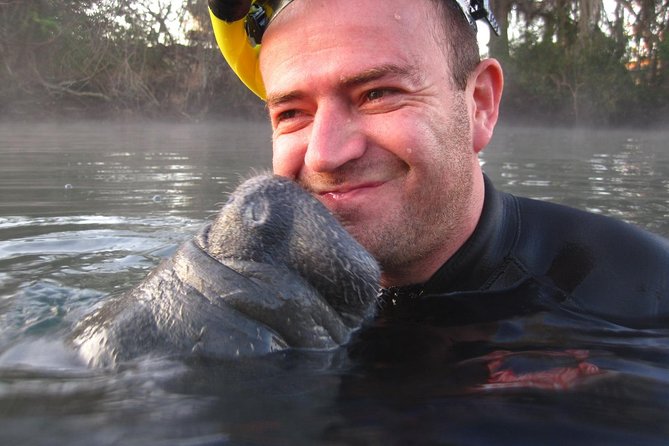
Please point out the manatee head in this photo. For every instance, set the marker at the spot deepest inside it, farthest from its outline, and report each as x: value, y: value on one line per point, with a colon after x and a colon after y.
x: 270, y: 219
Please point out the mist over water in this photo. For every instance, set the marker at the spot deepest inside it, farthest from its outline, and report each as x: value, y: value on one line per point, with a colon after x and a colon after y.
x: 88, y: 209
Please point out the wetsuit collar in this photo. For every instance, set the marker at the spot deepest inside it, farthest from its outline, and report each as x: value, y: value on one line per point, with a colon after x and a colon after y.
x: 474, y: 265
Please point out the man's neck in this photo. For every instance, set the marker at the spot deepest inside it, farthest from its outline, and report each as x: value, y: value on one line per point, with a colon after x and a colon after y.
x: 423, y: 268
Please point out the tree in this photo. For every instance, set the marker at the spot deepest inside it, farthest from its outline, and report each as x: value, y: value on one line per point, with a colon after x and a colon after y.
x: 44, y: 48
x: 567, y: 60
x: 576, y: 62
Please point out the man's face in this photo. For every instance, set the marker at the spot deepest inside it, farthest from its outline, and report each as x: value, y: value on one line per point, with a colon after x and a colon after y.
x: 365, y: 116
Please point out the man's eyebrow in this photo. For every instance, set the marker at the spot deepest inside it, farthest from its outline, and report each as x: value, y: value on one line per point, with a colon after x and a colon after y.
x: 372, y: 74
x: 274, y: 100
x: 389, y: 70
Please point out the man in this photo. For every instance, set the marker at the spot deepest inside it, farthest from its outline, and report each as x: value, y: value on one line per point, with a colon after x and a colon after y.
x: 380, y: 108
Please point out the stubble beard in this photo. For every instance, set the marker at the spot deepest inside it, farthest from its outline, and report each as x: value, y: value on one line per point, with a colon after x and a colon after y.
x: 432, y: 216
x: 427, y: 224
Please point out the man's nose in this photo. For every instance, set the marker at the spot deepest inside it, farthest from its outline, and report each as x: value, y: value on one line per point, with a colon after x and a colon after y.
x: 335, y: 139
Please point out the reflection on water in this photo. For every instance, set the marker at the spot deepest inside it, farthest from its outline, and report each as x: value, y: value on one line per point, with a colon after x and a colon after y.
x: 622, y: 173
x: 53, y: 169
x: 87, y: 209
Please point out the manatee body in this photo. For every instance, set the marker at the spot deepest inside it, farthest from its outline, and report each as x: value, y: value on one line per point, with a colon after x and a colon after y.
x: 274, y: 270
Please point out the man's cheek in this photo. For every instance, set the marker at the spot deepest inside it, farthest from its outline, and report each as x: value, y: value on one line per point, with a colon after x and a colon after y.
x: 287, y: 157
x: 285, y: 165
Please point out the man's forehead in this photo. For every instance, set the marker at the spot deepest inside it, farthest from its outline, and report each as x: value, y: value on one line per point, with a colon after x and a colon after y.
x: 472, y: 10
x: 312, y: 20
x: 406, y: 72
x: 335, y: 8
x: 345, y: 49
x: 239, y: 38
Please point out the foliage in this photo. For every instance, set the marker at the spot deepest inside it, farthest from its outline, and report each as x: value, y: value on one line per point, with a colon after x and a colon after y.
x: 585, y: 83
x: 573, y: 62
x: 107, y: 58
x: 576, y: 64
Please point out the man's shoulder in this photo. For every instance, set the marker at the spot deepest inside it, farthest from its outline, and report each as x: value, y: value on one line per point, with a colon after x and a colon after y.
x: 606, y: 265
x: 562, y: 224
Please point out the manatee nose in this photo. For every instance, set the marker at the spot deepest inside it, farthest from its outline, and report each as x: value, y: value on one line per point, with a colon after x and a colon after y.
x: 257, y: 212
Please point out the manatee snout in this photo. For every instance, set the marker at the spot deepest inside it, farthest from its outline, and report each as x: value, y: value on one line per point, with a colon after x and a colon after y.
x: 274, y: 270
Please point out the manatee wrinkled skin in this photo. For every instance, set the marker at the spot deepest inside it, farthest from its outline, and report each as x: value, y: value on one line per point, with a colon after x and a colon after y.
x: 274, y: 270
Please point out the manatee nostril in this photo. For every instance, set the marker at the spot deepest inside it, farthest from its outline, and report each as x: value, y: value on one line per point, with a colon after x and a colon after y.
x: 257, y: 212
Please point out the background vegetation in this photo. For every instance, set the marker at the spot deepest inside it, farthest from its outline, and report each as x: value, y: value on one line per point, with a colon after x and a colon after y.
x: 566, y: 61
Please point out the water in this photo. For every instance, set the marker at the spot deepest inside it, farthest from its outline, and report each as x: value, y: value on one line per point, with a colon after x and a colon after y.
x: 88, y: 209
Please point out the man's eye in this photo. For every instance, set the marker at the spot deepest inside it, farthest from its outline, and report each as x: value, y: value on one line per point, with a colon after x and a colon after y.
x: 377, y: 94
x: 287, y: 114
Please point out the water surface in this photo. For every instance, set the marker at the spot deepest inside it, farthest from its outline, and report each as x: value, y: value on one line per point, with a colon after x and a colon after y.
x: 88, y: 209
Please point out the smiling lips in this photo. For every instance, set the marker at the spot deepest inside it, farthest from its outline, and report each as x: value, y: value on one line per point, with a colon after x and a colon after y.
x: 347, y: 191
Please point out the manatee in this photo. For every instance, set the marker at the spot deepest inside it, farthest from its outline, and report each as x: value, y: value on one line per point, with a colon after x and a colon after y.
x: 274, y: 270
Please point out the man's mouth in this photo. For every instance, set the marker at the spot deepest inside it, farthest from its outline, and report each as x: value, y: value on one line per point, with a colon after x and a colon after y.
x: 347, y: 191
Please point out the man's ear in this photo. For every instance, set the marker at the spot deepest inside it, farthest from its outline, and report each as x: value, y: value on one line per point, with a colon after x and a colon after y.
x: 485, y: 85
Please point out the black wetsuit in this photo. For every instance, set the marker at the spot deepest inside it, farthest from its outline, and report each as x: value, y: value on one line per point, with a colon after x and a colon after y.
x: 541, y: 297
x: 526, y: 255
